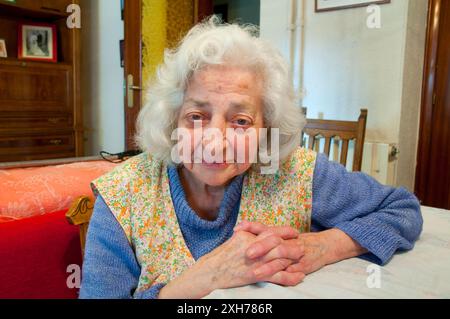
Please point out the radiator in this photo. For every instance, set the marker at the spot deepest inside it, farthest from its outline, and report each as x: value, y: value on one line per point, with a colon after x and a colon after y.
x: 380, y: 161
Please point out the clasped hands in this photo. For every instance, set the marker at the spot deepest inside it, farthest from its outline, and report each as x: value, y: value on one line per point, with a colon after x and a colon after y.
x: 280, y: 254
x: 257, y: 253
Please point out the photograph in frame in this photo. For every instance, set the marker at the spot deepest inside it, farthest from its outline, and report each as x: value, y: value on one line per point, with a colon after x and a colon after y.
x: 37, y: 42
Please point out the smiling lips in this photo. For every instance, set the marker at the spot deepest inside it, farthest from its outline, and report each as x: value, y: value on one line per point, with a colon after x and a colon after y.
x: 216, y: 165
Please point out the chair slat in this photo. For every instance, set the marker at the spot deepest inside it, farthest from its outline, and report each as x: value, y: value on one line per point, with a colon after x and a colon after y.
x: 311, y: 142
x: 336, y: 147
x: 317, y: 144
x: 327, y: 146
x: 344, y: 151
x: 345, y: 130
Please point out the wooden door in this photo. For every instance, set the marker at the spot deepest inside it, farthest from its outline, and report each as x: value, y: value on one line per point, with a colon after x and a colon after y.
x: 133, y: 60
x: 132, y: 68
x: 203, y: 9
x: 433, y: 159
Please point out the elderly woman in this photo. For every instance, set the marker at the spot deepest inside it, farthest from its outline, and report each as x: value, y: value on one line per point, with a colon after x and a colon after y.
x: 172, y: 226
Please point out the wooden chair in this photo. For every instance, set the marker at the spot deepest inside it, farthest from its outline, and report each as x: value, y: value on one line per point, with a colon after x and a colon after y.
x: 338, y: 130
x: 79, y: 214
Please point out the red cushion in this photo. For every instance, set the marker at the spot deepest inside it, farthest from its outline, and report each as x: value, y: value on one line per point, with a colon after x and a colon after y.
x: 34, y: 255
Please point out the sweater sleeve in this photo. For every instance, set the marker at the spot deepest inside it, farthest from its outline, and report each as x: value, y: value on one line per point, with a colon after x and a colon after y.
x: 110, y: 268
x: 380, y: 218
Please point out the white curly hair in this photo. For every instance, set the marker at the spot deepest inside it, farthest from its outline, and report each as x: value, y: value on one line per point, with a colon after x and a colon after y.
x: 214, y: 43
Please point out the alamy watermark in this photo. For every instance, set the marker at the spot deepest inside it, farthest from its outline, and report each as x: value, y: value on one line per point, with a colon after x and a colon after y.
x: 374, y: 278
x: 374, y: 19
x: 74, y: 19
x: 73, y: 281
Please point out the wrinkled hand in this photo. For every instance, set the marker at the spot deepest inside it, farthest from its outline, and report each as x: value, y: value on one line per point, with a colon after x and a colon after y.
x: 308, y: 251
x: 230, y: 265
x: 235, y: 267
x: 257, y: 252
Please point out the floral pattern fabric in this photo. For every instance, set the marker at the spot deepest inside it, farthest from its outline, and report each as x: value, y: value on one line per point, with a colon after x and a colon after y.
x: 138, y: 194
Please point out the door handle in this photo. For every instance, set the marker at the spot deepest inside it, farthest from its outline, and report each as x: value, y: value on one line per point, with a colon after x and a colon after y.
x: 130, y: 90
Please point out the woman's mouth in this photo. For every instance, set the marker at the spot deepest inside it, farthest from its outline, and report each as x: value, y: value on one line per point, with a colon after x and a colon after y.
x: 215, y: 165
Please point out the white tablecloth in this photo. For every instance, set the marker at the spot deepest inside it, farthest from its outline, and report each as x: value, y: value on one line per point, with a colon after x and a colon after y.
x: 423, y: 272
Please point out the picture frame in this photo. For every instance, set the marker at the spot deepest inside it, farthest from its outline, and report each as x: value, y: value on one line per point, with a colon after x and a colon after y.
x: 3, y: 51
x: 331, y: 5
x: 37, y: 42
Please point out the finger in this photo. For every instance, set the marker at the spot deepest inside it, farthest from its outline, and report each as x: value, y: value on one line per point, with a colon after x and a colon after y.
x: 251, y: 227
x: 240, y: 226
x: 264, y: 245
x: 262, y: 230
x: 296, y: 267
x: 271, y: 268
x: 287, y: 249
x: 305, y: 266
x: 284, y: 232
x: 285, y: 278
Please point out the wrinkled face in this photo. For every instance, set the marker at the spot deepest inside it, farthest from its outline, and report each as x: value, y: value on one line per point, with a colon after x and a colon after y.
x: 222, y: 98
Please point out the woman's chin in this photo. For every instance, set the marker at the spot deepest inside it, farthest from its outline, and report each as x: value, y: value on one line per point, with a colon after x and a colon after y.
x: 214, y: 176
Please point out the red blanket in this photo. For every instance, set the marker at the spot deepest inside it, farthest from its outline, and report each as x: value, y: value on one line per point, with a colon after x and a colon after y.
x: 34, y: 256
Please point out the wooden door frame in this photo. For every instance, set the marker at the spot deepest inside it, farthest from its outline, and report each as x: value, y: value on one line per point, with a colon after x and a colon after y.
x: 133, y: 66
x: 133, y: 58
x: 426, y: 111
x: 202, y: 9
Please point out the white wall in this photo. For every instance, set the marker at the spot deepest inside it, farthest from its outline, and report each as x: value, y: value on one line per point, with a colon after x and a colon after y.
x: 412, y: 91
x: 274, y: 23
x: 102, y: 76
x: 348, y: 66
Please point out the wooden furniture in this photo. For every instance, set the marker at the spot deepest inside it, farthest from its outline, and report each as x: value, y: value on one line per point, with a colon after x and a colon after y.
x: 338, y: 130
x: 432, y: 184
x: 40, y: 102
x: 79, y: 214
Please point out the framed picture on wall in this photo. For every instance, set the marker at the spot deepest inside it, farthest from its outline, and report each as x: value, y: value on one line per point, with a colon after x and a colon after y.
x: 330, y: 5
x: 37, y: 41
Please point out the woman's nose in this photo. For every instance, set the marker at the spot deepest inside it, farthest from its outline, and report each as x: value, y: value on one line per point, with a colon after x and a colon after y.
x: 218, y: 123
x: 214, y: 134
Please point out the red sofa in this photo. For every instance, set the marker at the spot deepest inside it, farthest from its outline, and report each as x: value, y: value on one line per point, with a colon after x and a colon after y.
x: 37, y: 243
x: 35, y: 253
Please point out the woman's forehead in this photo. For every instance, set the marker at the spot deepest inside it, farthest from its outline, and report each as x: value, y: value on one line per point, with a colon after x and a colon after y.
x: 225, y: 79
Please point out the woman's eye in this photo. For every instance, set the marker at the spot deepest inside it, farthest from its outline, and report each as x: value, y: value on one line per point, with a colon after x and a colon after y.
x: 195, y: 117
x: 242, y: 122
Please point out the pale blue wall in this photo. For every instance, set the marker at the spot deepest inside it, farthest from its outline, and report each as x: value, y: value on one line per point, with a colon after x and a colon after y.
x: 102, y: 77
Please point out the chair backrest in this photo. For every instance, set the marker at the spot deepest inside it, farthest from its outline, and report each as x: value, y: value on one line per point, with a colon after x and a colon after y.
x: 79, y: 214
x: 338, y: 130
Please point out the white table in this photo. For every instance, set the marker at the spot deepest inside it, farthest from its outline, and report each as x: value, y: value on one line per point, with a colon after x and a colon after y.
x: 423, y: 272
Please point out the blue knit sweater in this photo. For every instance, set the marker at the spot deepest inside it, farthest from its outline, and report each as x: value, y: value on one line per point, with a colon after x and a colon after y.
x: 381, y: 219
